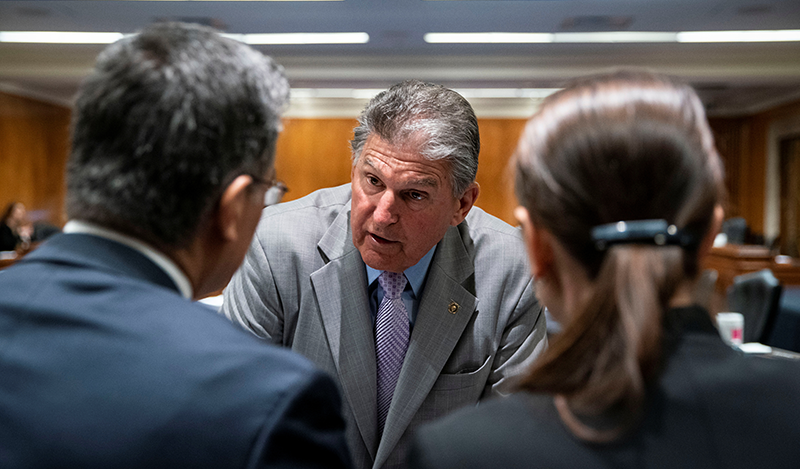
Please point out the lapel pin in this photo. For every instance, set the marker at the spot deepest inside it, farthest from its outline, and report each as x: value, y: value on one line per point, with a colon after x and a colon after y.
x: 453, y: 308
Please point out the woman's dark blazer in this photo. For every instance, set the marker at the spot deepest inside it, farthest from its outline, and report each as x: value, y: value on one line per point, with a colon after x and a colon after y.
x: 713, y: 407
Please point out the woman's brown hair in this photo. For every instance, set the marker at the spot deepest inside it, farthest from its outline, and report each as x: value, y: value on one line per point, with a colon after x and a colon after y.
x: 8, y: 212
x: 620, y: 147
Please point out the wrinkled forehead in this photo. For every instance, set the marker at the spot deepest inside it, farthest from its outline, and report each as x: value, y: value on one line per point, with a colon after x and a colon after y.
x: 425, y: 173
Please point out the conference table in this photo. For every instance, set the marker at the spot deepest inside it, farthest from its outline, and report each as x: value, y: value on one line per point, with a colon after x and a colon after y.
x: 732, y: 260
x: 7, y: 258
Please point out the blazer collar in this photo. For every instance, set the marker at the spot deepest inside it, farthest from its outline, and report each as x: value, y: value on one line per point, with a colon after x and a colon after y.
x: 102, y: 254
x: 340, y: 286
x: 338, y: 239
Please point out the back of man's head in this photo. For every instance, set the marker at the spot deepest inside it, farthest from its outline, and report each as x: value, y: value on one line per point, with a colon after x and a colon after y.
x: 167, y: 119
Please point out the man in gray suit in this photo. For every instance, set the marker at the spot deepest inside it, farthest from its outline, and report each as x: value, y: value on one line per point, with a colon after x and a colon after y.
x: 416, y: 301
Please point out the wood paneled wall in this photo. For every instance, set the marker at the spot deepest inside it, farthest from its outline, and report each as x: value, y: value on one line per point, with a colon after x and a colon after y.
x: 34, y: 138
x: 315, y: 153
x: 730, y: 136
x: 743, y: 145
x: 499, y: 139
x: 311, y: 154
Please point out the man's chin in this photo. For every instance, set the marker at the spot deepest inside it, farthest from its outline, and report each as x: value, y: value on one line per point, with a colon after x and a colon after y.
x: 382, y: 262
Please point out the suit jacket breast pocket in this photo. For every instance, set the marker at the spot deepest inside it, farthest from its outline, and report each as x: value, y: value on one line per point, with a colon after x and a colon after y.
x: 464, y: 379
x: 455, y: 390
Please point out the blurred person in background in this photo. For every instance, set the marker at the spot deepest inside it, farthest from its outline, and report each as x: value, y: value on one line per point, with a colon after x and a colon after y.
x: 105, y: 359
x: 620, y: 191
x: 15, y: 228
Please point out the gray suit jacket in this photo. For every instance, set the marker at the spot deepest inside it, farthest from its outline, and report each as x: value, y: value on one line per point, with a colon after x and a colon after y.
x: 303, y: 285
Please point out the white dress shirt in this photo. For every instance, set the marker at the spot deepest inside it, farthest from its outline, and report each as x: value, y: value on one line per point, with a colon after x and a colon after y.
x: 167, y: 265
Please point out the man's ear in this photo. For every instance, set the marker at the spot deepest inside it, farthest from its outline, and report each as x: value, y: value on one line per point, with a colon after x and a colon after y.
x: 713, y: 230
x: 465, y: 203
x: 538, y: 244
x: 232, y: 208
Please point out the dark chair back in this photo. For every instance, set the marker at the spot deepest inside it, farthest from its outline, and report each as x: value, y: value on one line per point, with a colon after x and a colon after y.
x: 735, y: 229
x: 757, y: 296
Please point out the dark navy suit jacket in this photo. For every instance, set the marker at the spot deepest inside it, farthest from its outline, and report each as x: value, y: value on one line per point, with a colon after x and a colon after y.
x: 104, y: 364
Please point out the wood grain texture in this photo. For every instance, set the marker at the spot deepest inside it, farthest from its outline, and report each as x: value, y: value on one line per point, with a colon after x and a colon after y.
x: 499, y: 139
x: 312, y: 154
x: 743, y: 145
x: 34, y: 143
x: 730, y: 141
x: 315, y: 153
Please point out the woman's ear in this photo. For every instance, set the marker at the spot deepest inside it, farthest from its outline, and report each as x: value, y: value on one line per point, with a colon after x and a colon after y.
x: 538, y: 244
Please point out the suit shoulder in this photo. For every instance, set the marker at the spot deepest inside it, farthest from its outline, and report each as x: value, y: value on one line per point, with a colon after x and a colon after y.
x: 212, y: 331
x: 500, y: 414
x: 764, y: 379
x: 302, y: 220
x: 502, y: 432
x: 242, y: 365
x: 494, y: 242
x: 327, y: 200
x: 717, y: 365
x: 483, y: 224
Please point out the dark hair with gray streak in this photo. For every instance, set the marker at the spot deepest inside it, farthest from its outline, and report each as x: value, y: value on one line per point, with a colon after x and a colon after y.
x: 436, y: 121
x: 167, y: 119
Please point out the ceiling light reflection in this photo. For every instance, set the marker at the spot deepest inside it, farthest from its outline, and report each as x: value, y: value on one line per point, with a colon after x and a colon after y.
x: 59, y: 37
x: 469, y: 93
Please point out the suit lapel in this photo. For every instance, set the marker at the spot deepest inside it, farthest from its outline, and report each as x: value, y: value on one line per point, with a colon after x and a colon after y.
x: 341, y: 292
x: 436, y: 333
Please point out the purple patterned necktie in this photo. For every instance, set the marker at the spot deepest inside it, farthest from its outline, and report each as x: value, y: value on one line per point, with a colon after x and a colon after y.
x: 391, y: 340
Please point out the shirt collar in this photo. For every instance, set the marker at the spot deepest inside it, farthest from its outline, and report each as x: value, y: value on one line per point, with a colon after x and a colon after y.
x: 414, y: 274
x: 166, y: 264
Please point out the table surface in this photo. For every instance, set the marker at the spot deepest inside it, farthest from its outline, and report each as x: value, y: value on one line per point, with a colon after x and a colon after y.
x: 732, y: 260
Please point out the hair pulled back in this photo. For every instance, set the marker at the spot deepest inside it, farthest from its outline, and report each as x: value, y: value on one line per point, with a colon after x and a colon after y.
x: 620, y: 147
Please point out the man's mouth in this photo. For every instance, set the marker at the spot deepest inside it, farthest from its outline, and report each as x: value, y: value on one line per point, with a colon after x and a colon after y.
x: 380, y: 239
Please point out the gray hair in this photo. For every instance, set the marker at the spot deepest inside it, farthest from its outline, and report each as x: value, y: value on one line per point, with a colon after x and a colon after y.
x: 166, y: 120
x: 439, y: 121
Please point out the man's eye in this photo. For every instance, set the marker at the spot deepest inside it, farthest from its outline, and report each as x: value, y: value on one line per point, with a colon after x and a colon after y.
x: 373, y: 180
x: 416, y: 195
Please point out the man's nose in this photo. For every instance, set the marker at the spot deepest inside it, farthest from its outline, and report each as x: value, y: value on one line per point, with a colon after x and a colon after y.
x: 386, y: 211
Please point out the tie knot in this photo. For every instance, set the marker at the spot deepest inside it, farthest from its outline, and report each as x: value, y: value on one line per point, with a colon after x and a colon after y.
x: 392, y: 283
